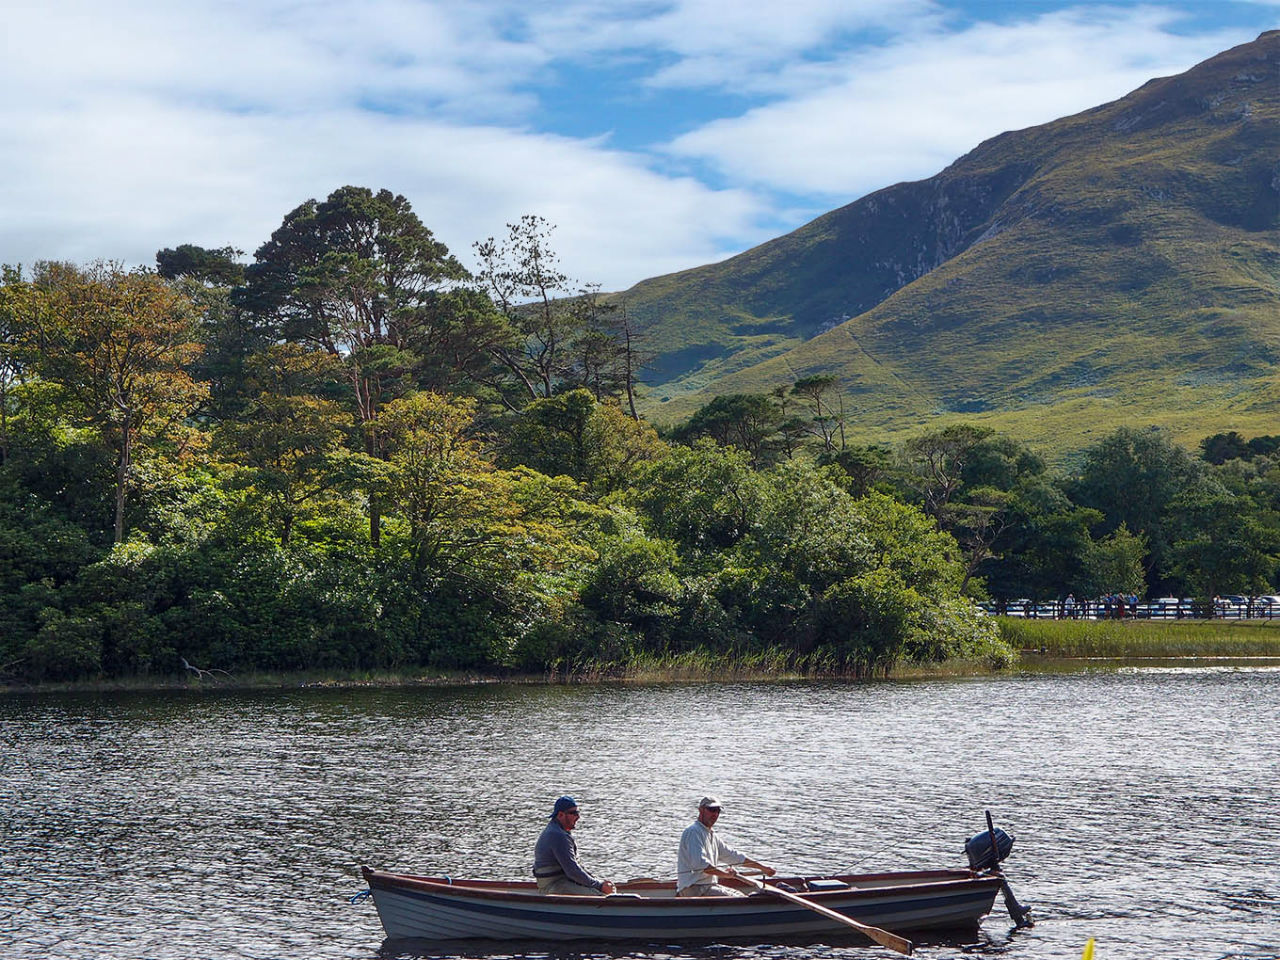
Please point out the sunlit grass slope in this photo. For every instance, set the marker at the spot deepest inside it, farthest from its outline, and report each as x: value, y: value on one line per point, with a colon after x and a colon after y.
x: 1121, y: 266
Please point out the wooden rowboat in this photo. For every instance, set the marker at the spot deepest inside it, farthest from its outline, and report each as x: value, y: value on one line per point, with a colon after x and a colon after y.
x: 444, y: 908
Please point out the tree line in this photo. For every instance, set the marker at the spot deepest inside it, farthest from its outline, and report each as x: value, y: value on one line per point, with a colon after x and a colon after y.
x: 353, y: 453
x: 1135, y: 513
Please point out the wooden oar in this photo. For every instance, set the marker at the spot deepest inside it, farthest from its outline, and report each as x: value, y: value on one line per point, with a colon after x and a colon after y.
x: 882, y: 937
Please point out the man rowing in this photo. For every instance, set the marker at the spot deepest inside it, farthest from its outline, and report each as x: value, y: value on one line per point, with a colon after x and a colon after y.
x: 555, y: 857
x: 704, y: 857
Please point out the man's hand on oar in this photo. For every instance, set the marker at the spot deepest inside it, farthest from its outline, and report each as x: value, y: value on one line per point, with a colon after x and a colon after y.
x: 733, y: 872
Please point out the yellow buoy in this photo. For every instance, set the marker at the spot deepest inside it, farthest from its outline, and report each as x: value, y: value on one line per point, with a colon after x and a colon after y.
x: 1088, y: 950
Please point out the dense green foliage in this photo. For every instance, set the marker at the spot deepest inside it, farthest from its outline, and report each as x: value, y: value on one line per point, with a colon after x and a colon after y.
x: 348, y: 455
x: 1138, y: 513
x: 1113, y: 268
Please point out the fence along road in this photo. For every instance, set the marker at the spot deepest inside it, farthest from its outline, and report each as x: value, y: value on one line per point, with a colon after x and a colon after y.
x: 1163, y: 608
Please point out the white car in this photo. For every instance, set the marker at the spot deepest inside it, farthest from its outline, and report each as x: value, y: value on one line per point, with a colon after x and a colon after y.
x: 1018, y: 608
x: 1164, y: 608
x: 1266, y: 606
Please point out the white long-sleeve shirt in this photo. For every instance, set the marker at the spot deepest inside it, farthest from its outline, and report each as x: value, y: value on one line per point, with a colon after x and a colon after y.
x: 701, y: 848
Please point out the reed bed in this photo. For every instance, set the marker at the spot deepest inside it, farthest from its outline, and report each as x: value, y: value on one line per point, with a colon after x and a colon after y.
x: 697, y: 665
x: 1125, y: 639
x: 777, y: 663
x: 1056, y: 641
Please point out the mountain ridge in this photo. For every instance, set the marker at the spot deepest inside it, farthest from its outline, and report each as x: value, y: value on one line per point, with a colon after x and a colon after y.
x: 1039, y: 270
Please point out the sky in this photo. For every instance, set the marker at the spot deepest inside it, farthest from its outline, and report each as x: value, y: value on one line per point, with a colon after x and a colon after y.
x: 656, y: 135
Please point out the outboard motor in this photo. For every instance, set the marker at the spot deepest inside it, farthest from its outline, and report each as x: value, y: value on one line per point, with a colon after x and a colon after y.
x: 983, y: 854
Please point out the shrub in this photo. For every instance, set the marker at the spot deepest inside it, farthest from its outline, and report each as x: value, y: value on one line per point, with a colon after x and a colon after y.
x: 64, y: 648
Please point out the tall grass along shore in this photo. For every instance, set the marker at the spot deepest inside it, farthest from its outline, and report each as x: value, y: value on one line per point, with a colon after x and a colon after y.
x: 1129, y: 639
x: 1047, y: 644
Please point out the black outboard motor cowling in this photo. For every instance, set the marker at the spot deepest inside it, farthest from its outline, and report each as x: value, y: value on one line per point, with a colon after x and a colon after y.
x: 978, y: 849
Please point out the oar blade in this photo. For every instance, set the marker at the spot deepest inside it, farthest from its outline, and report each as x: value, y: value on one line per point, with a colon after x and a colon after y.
x: 883, y: 937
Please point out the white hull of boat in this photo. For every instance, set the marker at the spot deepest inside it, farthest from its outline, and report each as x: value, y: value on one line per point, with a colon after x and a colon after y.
x: 437, y: 908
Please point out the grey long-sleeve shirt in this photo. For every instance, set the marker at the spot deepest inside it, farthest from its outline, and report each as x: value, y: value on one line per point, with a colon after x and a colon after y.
x: 556, y: 851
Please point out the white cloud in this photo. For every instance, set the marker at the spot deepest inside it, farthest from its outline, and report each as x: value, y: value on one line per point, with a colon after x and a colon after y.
x: 904, y: 111
x: 268, y: 56
x: 139, y: 124
x: 710, y: 43
x: 123, y: 182
x: 207, y: 123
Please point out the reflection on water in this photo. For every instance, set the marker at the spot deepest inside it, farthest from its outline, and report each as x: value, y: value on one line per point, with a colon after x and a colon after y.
x: 232, y: 825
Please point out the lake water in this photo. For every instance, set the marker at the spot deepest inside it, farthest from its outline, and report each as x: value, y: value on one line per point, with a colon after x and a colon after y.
x: 1145, y: 804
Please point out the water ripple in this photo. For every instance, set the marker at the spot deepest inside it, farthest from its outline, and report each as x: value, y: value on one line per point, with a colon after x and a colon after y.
x: 232, y: 825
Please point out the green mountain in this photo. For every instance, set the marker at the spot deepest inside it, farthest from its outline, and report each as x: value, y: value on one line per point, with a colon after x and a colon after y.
x: 1119, y: 266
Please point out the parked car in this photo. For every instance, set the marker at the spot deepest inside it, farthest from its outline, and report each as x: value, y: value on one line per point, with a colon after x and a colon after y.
x: 1018, y: 608
x: 1268, y: 606
x: 1231, y: 607
x: 1163, y: 608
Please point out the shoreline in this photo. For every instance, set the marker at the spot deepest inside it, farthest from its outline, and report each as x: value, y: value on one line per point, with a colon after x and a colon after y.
x: 1031, y: 662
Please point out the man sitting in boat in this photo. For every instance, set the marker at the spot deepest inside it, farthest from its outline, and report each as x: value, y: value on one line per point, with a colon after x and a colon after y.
x: 555, y: 857
x: 704, y: 857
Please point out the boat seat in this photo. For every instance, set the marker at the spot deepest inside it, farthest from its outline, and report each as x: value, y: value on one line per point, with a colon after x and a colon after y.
x: 822, y: 886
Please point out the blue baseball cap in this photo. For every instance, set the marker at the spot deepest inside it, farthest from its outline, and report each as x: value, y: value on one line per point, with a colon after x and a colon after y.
x: 562, y: 804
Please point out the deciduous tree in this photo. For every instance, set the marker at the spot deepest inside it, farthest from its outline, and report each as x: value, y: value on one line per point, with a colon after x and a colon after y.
x: 289, y: 443
x: 937, y: 460
x: 1114, y: 564
x: 15, y: 304
x: 1222, y: 543
x: 502, y: 532
x: 118, y: 342
x: 522, y: 275
x: 1132, y: 477
x: 350, y: 276
x: 826, y: 408
x: 748, y: 421
x: 703, y: 499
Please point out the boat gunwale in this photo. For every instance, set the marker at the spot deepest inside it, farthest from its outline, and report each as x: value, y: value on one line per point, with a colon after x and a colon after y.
x: 922, y: 881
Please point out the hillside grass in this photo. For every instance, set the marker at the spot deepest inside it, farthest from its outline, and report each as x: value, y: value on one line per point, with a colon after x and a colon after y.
x: 1128, y: 276
x: 1131, y: 639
